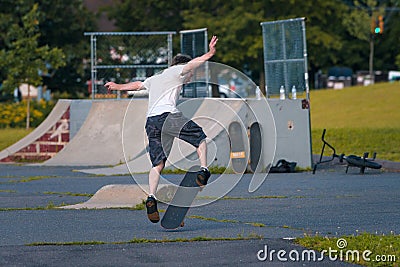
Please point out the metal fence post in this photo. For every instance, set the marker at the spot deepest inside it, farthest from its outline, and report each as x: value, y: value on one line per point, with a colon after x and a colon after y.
x: 93, y: 75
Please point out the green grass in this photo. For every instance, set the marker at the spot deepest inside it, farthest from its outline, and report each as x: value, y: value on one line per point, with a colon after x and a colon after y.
x: 68, y: 194
x: 375, y: 106
x: 145, y: 240
x: 7, y: 191
x: 384, y: 141
x: 255, y: 224
x: 52, y: 206
x: 10, y: 136
x: 358, y: 119
x: 381, y: 246
x: 30, y: 179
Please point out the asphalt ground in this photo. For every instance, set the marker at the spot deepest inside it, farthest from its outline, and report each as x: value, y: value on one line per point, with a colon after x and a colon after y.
x: 286, y: 206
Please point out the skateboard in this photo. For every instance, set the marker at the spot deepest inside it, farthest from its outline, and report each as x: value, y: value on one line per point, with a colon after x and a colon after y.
x: 255, y: 146
x: 238, y: 153
x: 182, y: 200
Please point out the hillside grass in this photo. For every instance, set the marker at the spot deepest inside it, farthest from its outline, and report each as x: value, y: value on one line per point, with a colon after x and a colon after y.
x: 9, y: 136
x: 359, y: 107
x: 358, y: 119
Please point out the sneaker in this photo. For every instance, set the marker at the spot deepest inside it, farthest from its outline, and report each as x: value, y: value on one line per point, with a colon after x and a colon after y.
x: 202, y: 176
x: 152, y: 211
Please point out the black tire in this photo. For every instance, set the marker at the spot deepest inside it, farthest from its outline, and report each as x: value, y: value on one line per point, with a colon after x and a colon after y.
x: 360, y: 162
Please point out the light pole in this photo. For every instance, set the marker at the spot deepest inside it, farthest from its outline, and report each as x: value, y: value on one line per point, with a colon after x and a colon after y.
x: 377, y: 25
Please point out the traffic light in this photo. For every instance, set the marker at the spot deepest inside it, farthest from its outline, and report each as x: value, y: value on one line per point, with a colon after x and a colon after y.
x: 381, y: 24
x: 377, y: 25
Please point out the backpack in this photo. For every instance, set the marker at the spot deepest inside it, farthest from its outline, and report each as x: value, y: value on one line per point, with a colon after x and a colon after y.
x: 283, y: 166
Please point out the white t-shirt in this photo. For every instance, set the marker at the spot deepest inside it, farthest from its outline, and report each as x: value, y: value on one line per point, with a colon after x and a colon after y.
x: 164, y: 89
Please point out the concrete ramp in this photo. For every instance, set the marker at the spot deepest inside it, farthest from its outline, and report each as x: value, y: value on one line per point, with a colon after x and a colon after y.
x: 45, y: 141
x: 123, y: 196
x: 212, y: 114
x: 98, y: 141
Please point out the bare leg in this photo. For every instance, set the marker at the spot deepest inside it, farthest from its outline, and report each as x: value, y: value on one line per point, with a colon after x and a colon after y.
x: 202, y: 152
x: 154, y: 177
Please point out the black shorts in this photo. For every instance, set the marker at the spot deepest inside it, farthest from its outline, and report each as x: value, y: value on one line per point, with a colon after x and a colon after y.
x: 162, y: 129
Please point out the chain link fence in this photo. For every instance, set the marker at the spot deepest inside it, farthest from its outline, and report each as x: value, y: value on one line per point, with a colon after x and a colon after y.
x: 123, y: 57
x: 126, y: 56
x: 285, y: 56
x: 229, y: 82
x: 194, y: 43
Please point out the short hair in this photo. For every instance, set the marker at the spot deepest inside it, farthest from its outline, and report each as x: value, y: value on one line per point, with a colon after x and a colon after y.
x: 180, y: 59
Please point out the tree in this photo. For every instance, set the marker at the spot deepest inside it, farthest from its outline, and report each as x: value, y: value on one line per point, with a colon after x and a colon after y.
x: 358, y: 24
x: 62, y: 24
x: 398, y: 61
x: 385, y: 52
x: 237, y: 24
x: 323, y: 30
x: 150, y: 15
x: 23, y: 58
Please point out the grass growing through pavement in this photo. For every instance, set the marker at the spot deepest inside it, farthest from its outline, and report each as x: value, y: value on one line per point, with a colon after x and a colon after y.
x: 30, y: 179
x: 255, y: 224
x: 385, y: 249
x: 145, y: 240
x: 49, y: 206
x: 7, y: 191
x: 241, y: 198
x: 68, y: 194
x: 52, y: 206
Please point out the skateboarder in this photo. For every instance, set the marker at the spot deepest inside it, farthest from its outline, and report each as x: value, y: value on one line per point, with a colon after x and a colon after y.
x: 165, y: 121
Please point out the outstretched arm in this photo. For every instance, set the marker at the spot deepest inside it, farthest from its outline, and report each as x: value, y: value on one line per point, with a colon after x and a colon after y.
x: 133, y: 86
x: 196, y: 62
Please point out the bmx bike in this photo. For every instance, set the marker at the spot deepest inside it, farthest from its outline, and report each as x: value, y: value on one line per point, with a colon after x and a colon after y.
x: 351, y: 160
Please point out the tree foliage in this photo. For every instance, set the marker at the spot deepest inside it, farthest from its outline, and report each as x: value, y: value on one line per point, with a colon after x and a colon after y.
x: 150, y: 15
x: 23, y: 58
x: 61, y: 25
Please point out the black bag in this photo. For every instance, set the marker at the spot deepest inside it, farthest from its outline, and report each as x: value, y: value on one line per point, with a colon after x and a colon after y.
x: 283, y: 166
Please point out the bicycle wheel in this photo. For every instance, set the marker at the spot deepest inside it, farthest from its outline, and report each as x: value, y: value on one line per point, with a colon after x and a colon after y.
x: 360, y: 162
